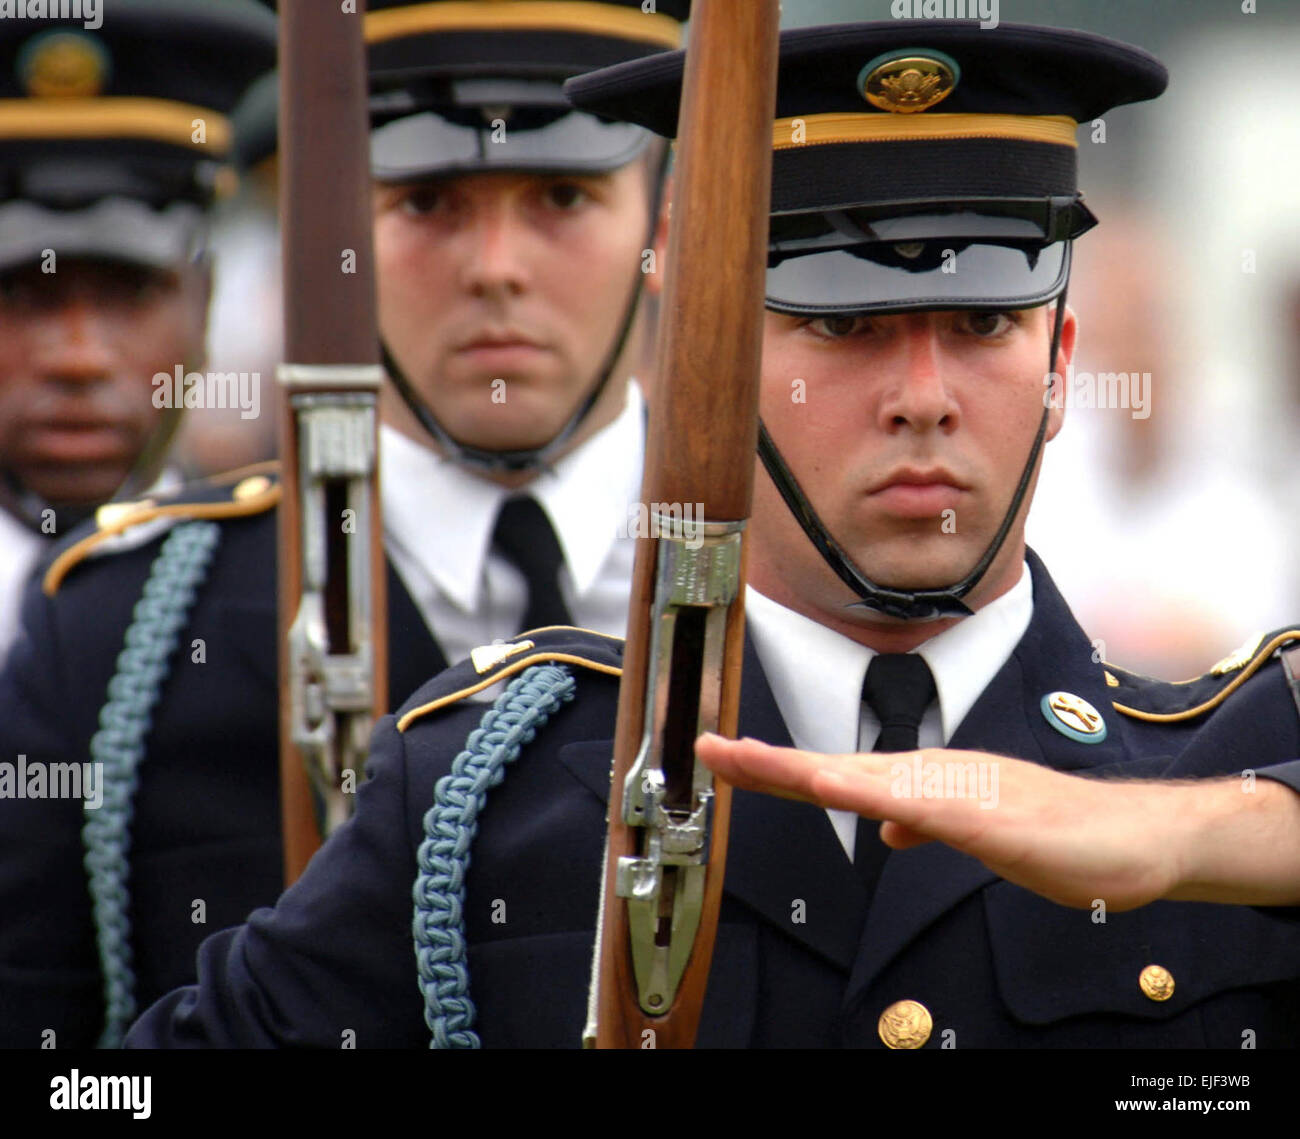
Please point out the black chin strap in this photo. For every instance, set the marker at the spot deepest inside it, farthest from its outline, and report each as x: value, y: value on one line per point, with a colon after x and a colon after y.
x: 537, y: 458
x: 907, y: 605
x: 534, y: 459
x: 30, y: 510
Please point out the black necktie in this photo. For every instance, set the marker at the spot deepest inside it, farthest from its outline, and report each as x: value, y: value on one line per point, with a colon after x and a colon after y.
x: 899, y: 688
x: 524, y: 537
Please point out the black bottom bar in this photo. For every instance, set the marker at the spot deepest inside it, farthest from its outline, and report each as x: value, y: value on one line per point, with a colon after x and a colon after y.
x: 931, y: 1087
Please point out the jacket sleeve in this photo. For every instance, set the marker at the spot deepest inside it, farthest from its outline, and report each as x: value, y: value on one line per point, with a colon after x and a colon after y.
x: 333, y: 963
x: 49, y: 970
x: 1260, y: 721
x: 1288, y: 773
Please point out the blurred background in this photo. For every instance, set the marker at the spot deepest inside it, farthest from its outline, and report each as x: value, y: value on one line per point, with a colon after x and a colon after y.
x: 1173, y: 533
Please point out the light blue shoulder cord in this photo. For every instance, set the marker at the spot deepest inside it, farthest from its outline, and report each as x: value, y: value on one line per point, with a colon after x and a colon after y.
x: 449, y: 829
x: 118, y: 745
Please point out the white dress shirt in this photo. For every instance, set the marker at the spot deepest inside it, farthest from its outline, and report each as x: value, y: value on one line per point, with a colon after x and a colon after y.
x: 816, y: 675
x: 21, y: 548
x: 438, y: 522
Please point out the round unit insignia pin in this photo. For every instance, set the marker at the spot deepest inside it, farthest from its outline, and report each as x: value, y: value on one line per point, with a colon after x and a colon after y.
x: 1074, y: 717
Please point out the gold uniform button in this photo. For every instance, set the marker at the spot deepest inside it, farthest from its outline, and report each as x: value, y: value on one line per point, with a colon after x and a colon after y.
x: 251, y: 487
x: 1156, y: 982
x: 905, y: 1024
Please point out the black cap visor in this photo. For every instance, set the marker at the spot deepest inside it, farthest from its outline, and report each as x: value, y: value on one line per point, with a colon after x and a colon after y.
x: 113, y: 229
x: 917, y: 256
x: 434, y: 144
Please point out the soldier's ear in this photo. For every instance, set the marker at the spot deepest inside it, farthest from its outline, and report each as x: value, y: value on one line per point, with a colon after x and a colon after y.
x: 1060, y: 366
x: 654, y: 281
x: 1069, y: 340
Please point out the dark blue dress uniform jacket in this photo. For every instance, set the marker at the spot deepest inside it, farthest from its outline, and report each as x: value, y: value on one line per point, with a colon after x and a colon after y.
x: 206, y: 821
x: 993, y: 963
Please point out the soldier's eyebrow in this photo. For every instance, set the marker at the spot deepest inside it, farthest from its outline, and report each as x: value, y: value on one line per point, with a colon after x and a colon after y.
x: 387, y: 196
x: 391, y: 190
x: 601, y: 177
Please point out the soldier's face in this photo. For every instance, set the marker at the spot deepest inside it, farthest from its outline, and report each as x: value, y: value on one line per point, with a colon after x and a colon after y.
x: 79, y: 348
x: 908, y: 434
x: 501, y: 295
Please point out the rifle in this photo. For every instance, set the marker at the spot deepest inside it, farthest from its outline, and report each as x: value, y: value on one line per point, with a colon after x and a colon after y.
x: 332, y: 612
x: 667, y: 838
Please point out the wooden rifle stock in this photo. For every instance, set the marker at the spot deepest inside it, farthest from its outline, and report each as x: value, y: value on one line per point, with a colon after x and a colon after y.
x: 685, y: 634
x: 332, y: 611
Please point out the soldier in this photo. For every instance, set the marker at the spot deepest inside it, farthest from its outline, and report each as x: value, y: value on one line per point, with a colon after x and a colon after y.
x: 924, y: 207
x: 108, y: 165
x: 509, y: 234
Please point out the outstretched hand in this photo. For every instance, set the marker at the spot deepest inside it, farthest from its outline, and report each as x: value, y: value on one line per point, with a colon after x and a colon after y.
x: 1070, y: 839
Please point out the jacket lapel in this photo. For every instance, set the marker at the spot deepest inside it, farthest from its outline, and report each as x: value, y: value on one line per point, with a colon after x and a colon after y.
x: 919, y: 885
x: 413, y: 654
x: 784, y: 860
x: 783, y: 853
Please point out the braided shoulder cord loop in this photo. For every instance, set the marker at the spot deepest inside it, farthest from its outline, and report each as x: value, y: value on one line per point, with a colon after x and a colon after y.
x: 449, y: 828
x: 118, y: 747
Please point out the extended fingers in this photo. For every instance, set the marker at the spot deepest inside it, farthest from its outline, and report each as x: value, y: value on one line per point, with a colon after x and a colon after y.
x: 862, y: 784
x: 796, y: 774
x: 755, y: 766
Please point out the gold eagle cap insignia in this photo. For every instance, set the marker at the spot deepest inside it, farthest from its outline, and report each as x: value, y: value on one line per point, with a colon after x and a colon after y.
x: 908, y: 85
x: 63, y: 65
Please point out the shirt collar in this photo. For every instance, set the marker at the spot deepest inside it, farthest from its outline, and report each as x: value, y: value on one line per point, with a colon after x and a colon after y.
x: 818, y: 687
x: 169, y: 481
x: 965, y: 658
x: 589, y: 492
x: 442, y: 516
x: 814, y: 672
